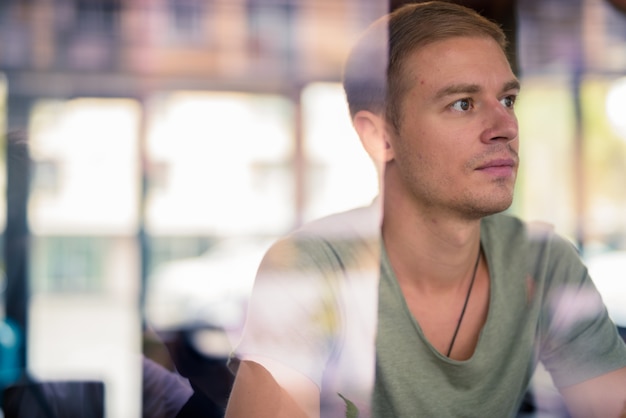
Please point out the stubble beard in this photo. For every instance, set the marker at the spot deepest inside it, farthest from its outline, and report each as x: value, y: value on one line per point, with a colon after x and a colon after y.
x: 429, y: 192
x: 477, y: 208
x: 498, y: 198
x: 469, y: 204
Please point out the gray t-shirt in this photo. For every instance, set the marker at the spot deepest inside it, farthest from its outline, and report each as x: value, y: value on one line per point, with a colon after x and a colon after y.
x: 319, y: 307
x: 543, y: 306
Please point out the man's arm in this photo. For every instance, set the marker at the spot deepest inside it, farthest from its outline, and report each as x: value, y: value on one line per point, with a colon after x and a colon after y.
x: 603, y: 396
x: 256, y: 393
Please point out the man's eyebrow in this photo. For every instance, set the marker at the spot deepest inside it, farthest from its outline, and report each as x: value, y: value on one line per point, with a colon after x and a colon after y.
x: 457, y: 89
x: 512, y: 85
x: 472, y: 88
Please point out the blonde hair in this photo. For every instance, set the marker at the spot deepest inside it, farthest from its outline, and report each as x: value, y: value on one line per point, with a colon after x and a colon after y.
x: 374, y: 73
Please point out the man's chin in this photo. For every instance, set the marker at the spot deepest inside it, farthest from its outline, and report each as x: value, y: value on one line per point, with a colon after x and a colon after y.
x: 492, y: 207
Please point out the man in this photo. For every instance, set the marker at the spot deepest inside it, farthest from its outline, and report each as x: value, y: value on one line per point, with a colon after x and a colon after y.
x: 469, y: 300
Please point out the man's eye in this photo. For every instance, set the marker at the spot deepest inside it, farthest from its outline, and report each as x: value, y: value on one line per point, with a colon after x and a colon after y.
x: 462, y: 105
x: 508, y: 101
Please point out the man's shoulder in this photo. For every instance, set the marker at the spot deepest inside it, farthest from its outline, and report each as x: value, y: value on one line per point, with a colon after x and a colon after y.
x: 506, y: 231
x: 358, y: 223
x: 506, y: 225
x: 346, y: 238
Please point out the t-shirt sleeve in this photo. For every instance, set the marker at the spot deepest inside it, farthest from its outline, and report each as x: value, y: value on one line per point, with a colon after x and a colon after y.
x: 292, y: 316
x: 579, y: 341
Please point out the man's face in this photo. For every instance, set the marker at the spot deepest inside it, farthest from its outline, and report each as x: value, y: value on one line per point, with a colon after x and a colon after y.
x: 457, y: 140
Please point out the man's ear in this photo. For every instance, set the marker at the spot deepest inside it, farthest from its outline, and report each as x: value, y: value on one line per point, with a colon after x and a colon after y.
x: 372, y: 131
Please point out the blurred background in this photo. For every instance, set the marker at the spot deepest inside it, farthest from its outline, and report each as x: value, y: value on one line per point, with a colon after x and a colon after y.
x: 154, y: 148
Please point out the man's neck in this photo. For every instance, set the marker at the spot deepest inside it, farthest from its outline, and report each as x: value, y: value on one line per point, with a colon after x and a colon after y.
x: 429, y: 249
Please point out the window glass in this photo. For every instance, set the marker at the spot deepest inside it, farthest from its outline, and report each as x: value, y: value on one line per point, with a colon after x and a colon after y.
x: 84, y: 264
x: 223, y: 163
x: 604, y: 164
x: 340, y: 174
x: 3, y: 178
x: 221, y: 186
x: 90, y: 148
x: 3, y: 129
x: 545, y: 188
x: 548, y: 185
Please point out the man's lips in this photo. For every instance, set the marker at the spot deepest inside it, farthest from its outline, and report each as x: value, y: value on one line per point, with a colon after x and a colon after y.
x: 499, y: 167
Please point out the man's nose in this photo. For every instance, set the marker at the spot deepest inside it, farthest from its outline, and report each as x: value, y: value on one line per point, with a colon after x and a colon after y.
x: 500, y: 123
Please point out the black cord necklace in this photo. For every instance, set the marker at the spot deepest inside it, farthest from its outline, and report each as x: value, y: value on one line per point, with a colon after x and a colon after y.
x: 469, y: 292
